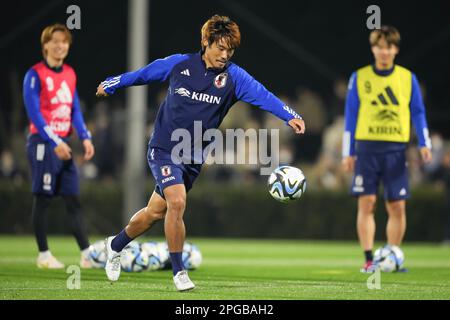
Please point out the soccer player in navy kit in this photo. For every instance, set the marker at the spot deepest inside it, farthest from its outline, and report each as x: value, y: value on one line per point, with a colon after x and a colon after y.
x: 382, y: 100
x: 202, y: 87
x: 52, y: 105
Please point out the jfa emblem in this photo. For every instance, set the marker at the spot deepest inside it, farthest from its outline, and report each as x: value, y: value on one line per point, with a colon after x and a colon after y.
x: 221, y: 80
x: 166, y: 171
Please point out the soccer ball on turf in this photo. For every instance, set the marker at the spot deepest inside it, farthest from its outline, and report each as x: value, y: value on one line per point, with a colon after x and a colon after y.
x: 164, y: 257
x: 133, y: 259
x: 97, y: 254
x: 157, y: 253
x: 389, y: 258
x: 192, y: 257
x: 135, y: 245
x: 286, y: 183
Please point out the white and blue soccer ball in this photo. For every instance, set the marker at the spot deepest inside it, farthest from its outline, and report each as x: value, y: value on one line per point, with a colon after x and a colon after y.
x: 163, y: 251
x: 286, y: 183
x: 133, y: 258
x: 97, y: 254
x: 389, y: 258
x: 157, y: 253
x: 192, y: 257
x: 135, y: 245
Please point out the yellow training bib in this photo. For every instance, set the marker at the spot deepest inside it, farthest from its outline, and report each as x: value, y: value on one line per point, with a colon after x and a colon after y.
x: 384, y: 113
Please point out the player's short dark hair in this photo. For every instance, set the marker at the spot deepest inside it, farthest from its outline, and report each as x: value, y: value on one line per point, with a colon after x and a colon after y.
x: 388, y: 33
x: 48, y: 31
x: 221, y: 27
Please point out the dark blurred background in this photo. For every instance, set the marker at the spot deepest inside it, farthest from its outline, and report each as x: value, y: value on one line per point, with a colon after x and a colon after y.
x: 303, y: 51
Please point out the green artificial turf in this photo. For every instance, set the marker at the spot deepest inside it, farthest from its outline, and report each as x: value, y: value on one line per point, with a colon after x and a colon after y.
x: 233, y: 269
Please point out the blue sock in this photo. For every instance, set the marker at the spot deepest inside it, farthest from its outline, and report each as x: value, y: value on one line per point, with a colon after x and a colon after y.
x: 177, y: 262
x: 120, y: 241
x: 368, y: 254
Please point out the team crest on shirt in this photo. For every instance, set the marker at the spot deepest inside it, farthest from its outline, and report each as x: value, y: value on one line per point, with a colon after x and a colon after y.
x: 221, y: 80
x: 166, y: 171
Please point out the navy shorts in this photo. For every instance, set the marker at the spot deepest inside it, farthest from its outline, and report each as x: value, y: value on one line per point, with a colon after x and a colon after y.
x: 389, y: 168
x: 50, y: 175
x: 167, y: 173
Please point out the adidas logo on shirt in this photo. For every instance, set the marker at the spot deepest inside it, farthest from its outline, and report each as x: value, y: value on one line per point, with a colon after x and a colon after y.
x: 383, y: 100
x: 186, y: 72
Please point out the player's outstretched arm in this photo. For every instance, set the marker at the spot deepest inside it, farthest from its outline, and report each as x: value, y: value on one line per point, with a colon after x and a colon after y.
x: 158, y: 70
x: 251, y: 91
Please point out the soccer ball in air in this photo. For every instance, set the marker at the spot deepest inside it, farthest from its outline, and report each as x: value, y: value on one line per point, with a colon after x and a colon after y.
x: 97, y: 254
x: 134, y: 259
x: 389, y: 258
x: 192, y: 257
x: 286, y: 183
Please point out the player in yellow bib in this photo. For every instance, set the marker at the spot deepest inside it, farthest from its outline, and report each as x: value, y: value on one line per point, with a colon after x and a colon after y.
x: 382, y: 100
